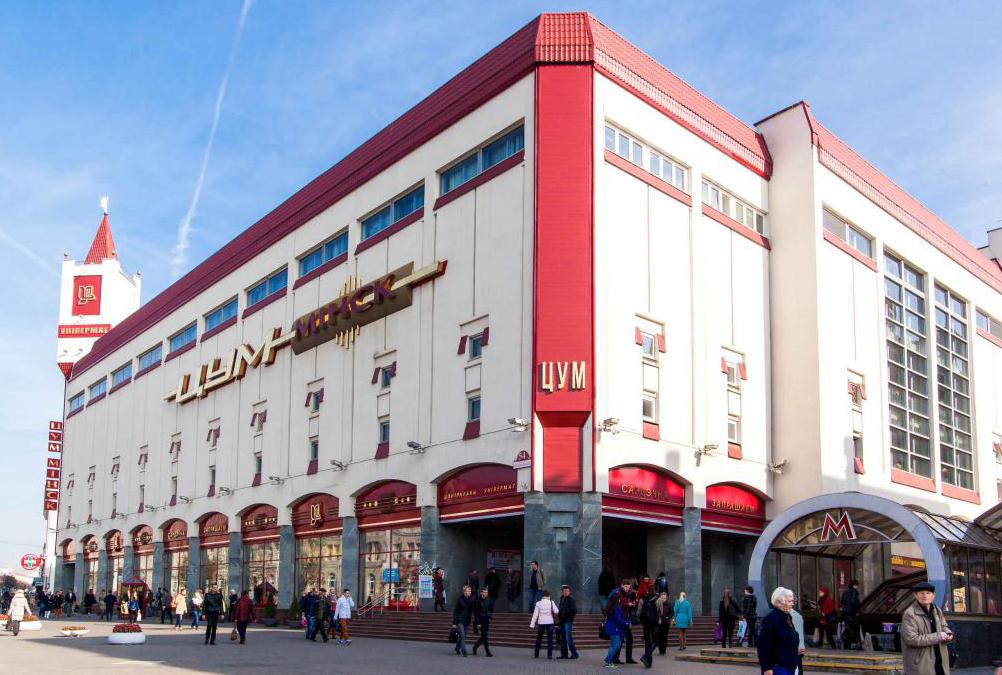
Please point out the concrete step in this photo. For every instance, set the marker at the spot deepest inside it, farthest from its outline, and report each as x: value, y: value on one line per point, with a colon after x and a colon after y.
x: 832, y: 655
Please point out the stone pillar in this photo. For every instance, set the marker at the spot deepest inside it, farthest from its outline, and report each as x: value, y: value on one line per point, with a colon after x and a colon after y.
x: 157, y: 571
x: 564, y: 533
x: 692, y: 553
x: 349, y: 556
x: 234, y: 576
x: 80, y: 579
x: 56, y: 573
x: 128, y: 563
x: 286, y: 565
x: 429, y: 548
x: 102, y: 571
x: 194, y: 564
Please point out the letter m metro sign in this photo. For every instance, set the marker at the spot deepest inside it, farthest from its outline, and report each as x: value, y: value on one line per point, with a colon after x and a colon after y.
x: 840, y: 528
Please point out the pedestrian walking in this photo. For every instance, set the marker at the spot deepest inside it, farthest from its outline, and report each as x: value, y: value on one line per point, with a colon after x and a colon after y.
x: 567, y: 610
x: 462, y: 614
x: 645, y: 584
x: 749, y: 610
x: 492, y: 582
x: 615, y: 624
x: 69, y: 603
x: 342, y: 614
x: 18, y: 608
x: 606, y: 585
x: 483, y: 613
x: 110, y: 600
x: 133, y: 607
x: 778, y: 642
x: 661, y: 584
x: 682, y: 611
x: 649, y: 620
x: 728, y: 613
x: 244, y: 614
x: 665, y: 618
x: 213, y: 606
x: 89, y: 601
x: 307, y: 605
x: 925, y: 634
x: 544, y: 616
x: 536, y: 581
x: 438, y: 586
x: 180, y: 606
x: 828, y: 619
x: 798, y: 625
x: 473, y: 581
x: 849, y: 608
x: 197, y: 598
x: 166, y: 605
x: 625, y: 597
x: 514, y: 589
x: 319, y: 613
x: 231, y: 607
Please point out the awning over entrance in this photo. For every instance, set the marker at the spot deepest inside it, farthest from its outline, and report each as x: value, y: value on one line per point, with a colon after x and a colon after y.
x: 485, y: 491
x: 644, y: 493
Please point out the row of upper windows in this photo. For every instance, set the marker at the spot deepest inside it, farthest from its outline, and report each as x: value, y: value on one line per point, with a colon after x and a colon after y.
x: 672, y: 171
x: 453, y: 176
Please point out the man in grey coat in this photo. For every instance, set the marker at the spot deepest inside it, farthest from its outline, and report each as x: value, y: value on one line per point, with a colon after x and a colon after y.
x: 925, y: 634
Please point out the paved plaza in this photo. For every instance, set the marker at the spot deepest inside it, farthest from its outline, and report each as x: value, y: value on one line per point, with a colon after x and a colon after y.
x: 281, y: 650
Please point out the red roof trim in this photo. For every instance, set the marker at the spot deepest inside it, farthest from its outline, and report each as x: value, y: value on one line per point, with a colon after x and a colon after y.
x: 549, y: 38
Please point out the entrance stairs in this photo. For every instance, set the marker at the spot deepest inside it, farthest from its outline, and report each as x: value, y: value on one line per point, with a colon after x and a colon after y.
x: 507, y: 630
x: 825, y: 660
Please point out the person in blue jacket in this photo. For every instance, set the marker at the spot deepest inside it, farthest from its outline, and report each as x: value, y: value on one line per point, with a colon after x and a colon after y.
x: 779, y: 643
x: 615, y: 625
x: 682, y: 618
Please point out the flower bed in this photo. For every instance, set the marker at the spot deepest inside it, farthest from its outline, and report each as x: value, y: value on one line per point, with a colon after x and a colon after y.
x: 74, y: 631
x: 127, y: 634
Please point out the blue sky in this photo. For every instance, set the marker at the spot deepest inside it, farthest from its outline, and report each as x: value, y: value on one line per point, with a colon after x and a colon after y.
x: 118, y: 98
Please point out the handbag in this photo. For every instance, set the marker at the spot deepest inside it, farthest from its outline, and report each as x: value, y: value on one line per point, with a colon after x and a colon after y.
x: 718, y: 633
x: 951, y: 650
x: 233, y: 634
x: 602, y: 634
x: 453, y: 635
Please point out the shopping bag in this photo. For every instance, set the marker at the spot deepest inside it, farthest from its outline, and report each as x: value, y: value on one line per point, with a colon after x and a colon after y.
x: 718, y: 633
x: 453, y: 636
x: 742, y: 628
x: 304, y: 622
x: 233, y: 634
x: 139, y: 617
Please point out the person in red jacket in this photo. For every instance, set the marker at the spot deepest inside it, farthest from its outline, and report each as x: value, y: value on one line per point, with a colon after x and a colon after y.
x: 244, y: 614
x: 828, y: 622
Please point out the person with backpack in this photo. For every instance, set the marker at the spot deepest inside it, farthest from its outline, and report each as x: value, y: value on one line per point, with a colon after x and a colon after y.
x: 544, y: 616
x: 727, y: 614
x: 615, y: 624
x: 650, y: 621
x: 626, y: 599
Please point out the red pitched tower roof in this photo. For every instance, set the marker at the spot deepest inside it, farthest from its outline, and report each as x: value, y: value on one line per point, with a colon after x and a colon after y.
x: 103, y: 246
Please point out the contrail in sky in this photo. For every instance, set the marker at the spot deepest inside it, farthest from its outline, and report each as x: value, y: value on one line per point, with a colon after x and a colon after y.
x: 28, y: 253
x: 178, y: 254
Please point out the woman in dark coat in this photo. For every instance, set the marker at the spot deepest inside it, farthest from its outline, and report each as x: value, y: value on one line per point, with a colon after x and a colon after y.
x: 727, y: 614
x: 438, y: 585
x: 778, y: 641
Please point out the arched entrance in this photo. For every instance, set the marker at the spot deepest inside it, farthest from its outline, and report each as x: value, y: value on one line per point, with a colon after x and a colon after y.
x: 389, y: 547
x: 846, y: 534
x: 317, y: 528
x: 260, y: 534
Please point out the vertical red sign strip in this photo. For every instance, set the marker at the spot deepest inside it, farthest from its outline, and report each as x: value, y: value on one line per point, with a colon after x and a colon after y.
x: 564, y: 262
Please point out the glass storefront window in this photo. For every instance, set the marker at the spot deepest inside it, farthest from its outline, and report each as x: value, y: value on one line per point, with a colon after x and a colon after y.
x: 175, y: 571
x: 92, y: 576
x: 213, y: 568
x: 958, y: 565
x: 318, y: 563
x: 976, y: 579
x: 113, y: 575
x: 992, y: 583
x: 142, y: 567
x: 390, y: 565
x: 260, y: 573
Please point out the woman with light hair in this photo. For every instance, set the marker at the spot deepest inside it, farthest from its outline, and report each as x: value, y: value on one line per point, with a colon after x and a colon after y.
x: 682, y: 618
x: 779, y: 642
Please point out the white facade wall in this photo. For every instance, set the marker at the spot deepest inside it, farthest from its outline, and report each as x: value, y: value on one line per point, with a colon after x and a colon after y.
x: 486, y: 237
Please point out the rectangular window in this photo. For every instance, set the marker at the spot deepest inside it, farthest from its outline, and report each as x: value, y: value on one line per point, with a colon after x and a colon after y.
x: 221, y: 314
x: 473, y: 408
x: 90, y: 510
x: 482, y: 159
x: 98, y: 388
x: 650, y: 407
x: 989, y: 324
x: 997, y: 447
x: 257, y: 421
x: 316, y: 398
x: 314, y: 449
x: 385, y: 376
x: 658, y: 163
x: 144, y: 457
x: 116, y: 464
x: 476, y: 346
x: 847, y: 233
x: 151, y: 357
x: 257, y: 463
x: 323, y: 254
x: 908, y: 367
x: 142, y: 495
x: 648, y: 345
x: 732, y: 364
x: 121, y: 375
x: 77, y: 402
x: 717, y: 198
x: 173, y: 486
x: 114, y: 503
x: 734, y: 429
x: 91, y: 475
x: 391, y: 213
x: 69, y: 485
x: 384, y: 431
x: 268, y: 287
x: 183, y: 337
x: 956, y: 446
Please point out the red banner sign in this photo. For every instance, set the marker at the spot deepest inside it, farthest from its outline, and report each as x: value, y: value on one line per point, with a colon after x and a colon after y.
x: 87, y: 295
x: 52, y: 466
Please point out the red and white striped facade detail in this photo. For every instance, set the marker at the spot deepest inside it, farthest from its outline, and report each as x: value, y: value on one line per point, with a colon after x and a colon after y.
x: 564, y: 254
